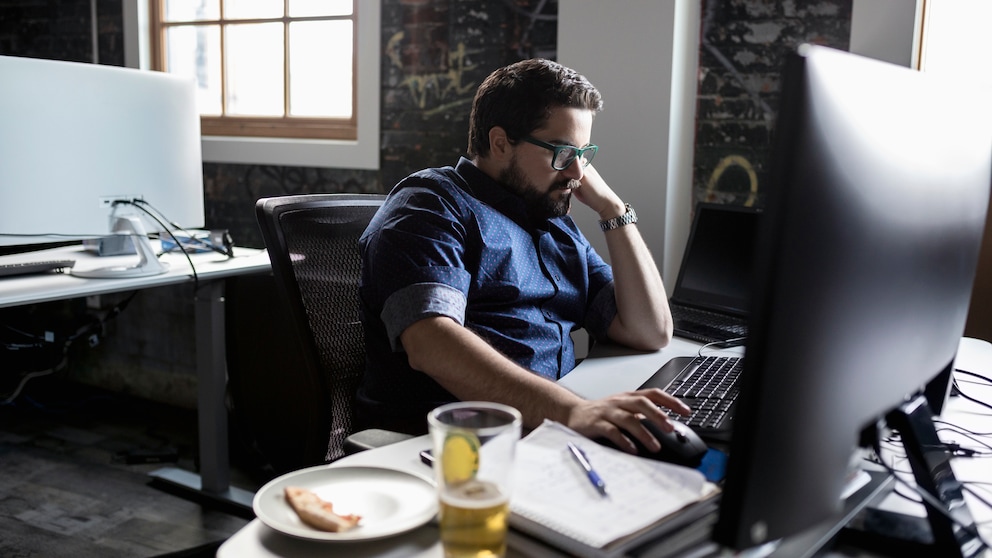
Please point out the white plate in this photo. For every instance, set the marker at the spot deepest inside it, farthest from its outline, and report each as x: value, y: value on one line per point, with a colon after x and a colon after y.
x: 390, y: 502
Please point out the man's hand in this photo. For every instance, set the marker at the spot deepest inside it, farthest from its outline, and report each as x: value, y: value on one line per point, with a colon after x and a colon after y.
x: 619, y: 416
x: 597, y: 194
x: 445, y: 350
x: 643, y: 320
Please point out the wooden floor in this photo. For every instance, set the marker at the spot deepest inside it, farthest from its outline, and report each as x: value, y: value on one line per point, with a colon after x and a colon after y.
x: 67, y: 487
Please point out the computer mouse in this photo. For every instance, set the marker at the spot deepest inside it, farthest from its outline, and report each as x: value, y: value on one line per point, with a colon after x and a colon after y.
x: 681, y: 446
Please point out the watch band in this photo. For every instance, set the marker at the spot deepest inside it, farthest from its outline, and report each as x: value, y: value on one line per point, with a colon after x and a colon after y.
x: 628, y: 218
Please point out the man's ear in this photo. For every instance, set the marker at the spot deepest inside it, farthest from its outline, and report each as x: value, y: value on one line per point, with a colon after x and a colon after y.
x: 499, y: 144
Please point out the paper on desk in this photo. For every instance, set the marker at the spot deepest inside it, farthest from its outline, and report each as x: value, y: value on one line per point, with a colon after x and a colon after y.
x: 552, y: 490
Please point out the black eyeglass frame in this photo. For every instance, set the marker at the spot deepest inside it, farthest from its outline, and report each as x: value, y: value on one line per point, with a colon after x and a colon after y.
x: 578, y: 152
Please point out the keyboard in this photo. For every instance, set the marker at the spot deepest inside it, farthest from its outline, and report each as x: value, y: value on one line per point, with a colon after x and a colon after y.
x: 708, y: 385
x: 706, y: 326
x: 33, y: 268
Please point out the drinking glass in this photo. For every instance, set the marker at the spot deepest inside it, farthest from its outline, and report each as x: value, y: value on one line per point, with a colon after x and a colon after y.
x: 474, y: 445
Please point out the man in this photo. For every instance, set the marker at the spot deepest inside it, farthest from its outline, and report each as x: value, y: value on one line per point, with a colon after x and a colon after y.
x: 474, y: 276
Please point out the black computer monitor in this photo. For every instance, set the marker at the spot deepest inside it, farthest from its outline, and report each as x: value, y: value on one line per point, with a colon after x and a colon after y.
x: 866, y: 254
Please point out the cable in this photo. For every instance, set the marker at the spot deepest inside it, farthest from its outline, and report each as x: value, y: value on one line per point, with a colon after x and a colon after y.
x: 974, y: 375
x: 191, y: 238
x: 140, y: 204
x: 84, y: 330
x: 40, y: 373
x: 957, y: 386
x: 959, y: 451
x: 30, y: 376
x: 37, y: 341
x: 960, y: 428
x: 726, y: 344
x: 929, y: 498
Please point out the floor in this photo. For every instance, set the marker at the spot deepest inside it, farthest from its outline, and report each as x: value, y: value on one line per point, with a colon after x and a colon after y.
x: 72, y: 482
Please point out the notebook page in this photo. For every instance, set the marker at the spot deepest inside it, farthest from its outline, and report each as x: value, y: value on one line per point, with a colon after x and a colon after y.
x: 551, y: 489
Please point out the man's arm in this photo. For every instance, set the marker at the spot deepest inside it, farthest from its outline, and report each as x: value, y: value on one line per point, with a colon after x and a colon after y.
x: 471, y: 369
x: 644, y: 320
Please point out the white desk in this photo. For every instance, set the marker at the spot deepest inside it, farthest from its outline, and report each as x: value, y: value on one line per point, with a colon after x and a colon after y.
x: 608, y: 371
x: 214, y: 478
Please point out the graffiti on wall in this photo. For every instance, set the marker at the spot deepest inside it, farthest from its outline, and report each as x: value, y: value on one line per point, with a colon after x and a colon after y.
x: 748, y: 197
x: 743, y: 44
x: 440, y: 90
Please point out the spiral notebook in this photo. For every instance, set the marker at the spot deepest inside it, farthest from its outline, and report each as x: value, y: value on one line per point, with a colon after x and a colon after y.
x: 554, y: 501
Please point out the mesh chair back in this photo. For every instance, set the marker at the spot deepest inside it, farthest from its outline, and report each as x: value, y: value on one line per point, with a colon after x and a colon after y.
x: 312, y: 242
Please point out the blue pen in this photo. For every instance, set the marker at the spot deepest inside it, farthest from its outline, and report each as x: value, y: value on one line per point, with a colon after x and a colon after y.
x: 580, y: 458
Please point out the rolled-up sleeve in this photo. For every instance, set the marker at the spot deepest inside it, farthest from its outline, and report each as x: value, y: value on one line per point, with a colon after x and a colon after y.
x: 416, y: 262
x: 416, y: 302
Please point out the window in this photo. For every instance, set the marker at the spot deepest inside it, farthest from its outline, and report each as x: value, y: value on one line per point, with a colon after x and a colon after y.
x: 953, y: 40
x: 270, y: 68
x: 360, y: 153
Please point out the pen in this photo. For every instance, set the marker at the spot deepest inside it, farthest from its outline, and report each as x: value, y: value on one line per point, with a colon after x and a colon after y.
x: 580, y: 458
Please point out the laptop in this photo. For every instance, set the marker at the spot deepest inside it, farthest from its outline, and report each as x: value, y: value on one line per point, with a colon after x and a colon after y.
x: 712, y: 292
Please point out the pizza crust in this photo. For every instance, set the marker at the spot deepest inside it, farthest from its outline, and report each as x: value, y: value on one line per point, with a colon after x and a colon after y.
x: 318, y: 513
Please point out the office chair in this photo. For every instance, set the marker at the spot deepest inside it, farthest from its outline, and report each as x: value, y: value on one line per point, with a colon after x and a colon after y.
x: 312, y: 241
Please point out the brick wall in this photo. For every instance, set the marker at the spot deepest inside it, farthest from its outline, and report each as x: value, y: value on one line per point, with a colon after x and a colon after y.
x: 742, y: 50
x: 435, y: 55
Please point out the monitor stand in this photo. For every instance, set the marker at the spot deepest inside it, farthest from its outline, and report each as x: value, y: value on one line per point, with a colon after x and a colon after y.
x: 147, y: 265
x: 949, y: 528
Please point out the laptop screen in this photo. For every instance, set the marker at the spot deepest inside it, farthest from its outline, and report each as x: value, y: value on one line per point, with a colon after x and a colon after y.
x: 716, y: 266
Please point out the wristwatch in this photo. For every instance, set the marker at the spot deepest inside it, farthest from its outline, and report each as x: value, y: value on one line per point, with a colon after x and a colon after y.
x: 629, y: 217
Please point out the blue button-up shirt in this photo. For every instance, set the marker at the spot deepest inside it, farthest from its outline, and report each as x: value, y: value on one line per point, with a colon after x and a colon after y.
x: 453, y: 242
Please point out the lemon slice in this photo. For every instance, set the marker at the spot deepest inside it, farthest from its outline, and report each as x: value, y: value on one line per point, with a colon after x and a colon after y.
x: 460, y: 457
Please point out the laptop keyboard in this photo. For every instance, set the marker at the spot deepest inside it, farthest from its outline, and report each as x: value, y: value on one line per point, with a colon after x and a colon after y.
x: 709, y: 386
x: 706, y: 326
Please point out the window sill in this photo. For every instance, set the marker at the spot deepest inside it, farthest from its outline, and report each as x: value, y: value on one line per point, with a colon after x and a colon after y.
x: 359, y: 154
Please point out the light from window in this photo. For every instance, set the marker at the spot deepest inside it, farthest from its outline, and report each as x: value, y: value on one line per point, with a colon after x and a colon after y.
x: 954, y: 37
x: 278, y: 68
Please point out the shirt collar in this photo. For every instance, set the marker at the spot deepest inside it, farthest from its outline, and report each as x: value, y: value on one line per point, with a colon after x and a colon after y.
x: 484, y: 188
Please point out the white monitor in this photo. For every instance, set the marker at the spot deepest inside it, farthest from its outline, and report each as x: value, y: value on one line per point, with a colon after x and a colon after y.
x: 76, y: 137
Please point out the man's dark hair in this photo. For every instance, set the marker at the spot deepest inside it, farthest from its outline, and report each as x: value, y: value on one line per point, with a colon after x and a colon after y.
x: 519, y: 98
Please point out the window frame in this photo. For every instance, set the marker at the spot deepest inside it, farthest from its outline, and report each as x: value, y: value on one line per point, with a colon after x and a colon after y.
x: 359, y: 153
x: 276, y: 126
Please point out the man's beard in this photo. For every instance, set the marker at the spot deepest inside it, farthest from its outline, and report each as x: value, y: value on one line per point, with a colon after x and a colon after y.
x: 540, y: 204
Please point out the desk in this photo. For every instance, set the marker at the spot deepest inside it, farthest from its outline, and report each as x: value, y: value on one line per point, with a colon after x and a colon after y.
x: 214, y: 478
x: 606, y: 371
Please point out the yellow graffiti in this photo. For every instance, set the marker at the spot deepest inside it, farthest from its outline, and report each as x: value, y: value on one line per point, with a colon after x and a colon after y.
x: 393, y: 49
x: 443, y: 84
x: 739, y: 161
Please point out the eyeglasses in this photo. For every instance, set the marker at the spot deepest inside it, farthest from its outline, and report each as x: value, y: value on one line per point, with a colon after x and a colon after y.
x: 565, y: 154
